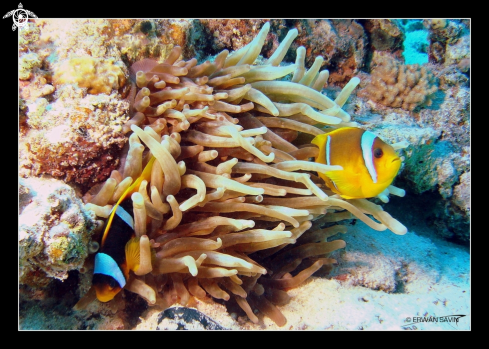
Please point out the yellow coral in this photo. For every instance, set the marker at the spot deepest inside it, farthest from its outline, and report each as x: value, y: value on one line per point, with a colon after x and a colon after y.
x: 97, y: 75
x: 400, y: 86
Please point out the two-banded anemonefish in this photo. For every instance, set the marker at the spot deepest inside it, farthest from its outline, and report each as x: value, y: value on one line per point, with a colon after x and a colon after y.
x: 119, y: 249
x: 369, y: 164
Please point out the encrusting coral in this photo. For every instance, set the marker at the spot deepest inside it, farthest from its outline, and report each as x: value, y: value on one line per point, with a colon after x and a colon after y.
x: 97, y: 75
x: 77, y: 137
x: 232, y: 208
x: 54, y: 232
x: 400, y: 86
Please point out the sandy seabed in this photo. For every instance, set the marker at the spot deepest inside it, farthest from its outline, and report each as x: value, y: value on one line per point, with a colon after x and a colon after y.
x: 390, y: 281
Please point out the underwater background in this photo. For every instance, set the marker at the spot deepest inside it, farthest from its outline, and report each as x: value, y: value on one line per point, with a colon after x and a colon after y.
x: 74, y: 83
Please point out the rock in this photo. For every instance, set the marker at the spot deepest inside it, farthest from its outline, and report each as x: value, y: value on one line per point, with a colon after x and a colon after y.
x: 54, y: 231
x: 384, y: 34
x: 182, y: 318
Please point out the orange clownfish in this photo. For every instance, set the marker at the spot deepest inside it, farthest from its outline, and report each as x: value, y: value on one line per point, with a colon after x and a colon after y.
x: 369, y: 164
x: 119, y: 250
x: 112, y: 266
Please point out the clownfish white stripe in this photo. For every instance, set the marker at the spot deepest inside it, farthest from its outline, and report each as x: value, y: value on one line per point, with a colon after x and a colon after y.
x: 328, y: 152
x: 106, y: 265
x: 126, y: 217
x: 328, y: 149
x: 367, y: 143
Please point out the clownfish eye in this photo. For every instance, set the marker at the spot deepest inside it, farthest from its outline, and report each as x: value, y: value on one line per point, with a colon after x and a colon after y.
x: 378, y: 153
x: 112, y: 284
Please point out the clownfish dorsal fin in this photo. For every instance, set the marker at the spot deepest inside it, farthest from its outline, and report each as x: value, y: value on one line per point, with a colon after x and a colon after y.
x: 319, y: 140
x: 145, y: 175
x: 132, y: 254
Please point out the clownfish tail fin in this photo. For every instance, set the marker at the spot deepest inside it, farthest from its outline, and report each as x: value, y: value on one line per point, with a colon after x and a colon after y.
x: 132, y: 254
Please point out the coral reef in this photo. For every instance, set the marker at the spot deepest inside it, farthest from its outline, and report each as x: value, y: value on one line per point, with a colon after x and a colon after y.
x: 61, y: 39
x: 98, y: 76
x: 28, y: 35
x: 36, y: 88
x: 218, y: 119
x: 400, y: 86
x: 446, y: 163
x: 54, y: 231
x: 461, y: 193
x: 67, y: 133
x: 384, y: 34
x: 27, y: 63
x: 340, y: 43
x: 152, y: 38
x: 444, y: 159
x: 444, y: 34
x: 231, y: 34
x: 458, y: 53
x: 79, y: 143
x: 438, y: 155
x: 439, y: 135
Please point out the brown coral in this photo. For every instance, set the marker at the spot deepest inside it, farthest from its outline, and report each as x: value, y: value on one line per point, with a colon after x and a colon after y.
x: 341, y: 42
x: 78, y: 139
x: 154, y: 38
x: 231, y: 33
x: 227, y: 195
x: 400, y: 86
x: 385, y: 34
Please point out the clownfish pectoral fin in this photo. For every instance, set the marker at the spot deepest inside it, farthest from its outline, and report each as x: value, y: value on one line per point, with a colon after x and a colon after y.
x: 347, y: 186
x: 84, y: 301
x: 132, y: 254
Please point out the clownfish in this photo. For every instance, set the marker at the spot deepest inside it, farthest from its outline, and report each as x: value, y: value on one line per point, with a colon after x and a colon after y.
x: 369, y: 164
x: 119, y: 249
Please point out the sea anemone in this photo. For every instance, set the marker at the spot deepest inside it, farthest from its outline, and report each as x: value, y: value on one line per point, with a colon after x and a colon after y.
x: 233, y: 208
